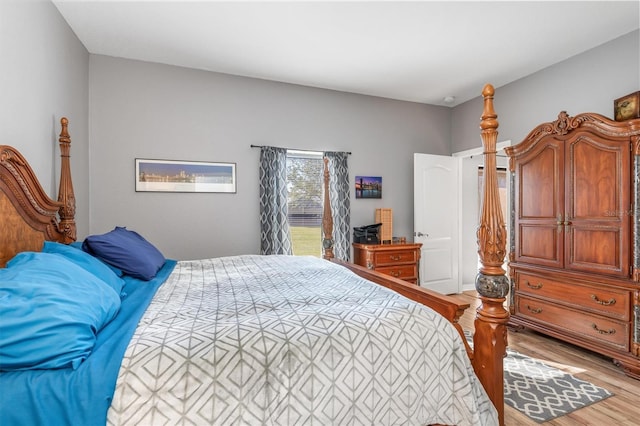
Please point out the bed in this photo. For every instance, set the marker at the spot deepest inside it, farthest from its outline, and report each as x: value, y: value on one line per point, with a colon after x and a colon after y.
x: 232, y: 340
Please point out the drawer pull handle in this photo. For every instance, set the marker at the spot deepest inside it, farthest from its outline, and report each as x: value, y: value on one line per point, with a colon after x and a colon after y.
x: 395, y: 257
x: 533, y: 286
x: 534, y: 310
x: 611, y: 331
x: 609, y: 302
x: 394, y: 273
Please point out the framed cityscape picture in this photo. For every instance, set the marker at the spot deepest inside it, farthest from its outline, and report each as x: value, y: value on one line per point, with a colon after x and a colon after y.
x: 184, y: 176
x: 368, y: 187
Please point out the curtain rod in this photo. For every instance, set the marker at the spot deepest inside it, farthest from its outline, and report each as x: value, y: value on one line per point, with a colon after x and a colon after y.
x: 292, y: 149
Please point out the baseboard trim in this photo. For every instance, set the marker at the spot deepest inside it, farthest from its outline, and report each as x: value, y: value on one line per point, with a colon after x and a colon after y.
x: 468, y: 287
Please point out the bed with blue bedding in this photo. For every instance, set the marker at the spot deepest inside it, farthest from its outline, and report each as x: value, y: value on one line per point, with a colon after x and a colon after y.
x: 108, y: 331
x: 258, y: 340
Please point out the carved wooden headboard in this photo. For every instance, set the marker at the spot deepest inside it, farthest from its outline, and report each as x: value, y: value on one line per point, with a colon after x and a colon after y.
x: 29, y: 216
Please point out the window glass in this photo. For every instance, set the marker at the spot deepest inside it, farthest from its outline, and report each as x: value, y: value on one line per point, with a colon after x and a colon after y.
x: 304, y: 185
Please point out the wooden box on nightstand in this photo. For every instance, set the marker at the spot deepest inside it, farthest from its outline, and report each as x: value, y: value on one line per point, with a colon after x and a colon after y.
x: 398, y: 260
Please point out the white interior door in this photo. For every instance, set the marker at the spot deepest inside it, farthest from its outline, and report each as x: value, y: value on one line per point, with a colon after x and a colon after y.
x: 436, y: 220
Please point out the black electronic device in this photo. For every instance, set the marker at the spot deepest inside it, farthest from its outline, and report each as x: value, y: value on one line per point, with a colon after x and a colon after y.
x: 369, y: 234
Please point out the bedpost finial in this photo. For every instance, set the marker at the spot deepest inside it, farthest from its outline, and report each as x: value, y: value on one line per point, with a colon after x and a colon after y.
x: 489, y: 117
x: 65, y: 123
x: 488, y: 90
x: 64, y: 133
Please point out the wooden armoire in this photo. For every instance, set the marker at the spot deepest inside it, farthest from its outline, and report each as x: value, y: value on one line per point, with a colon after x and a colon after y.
x: 574, y: 260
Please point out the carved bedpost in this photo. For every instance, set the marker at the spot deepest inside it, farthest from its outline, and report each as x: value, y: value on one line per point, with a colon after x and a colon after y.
x: 491, y: 283
x: 67, y: 212
x: 327, y: 219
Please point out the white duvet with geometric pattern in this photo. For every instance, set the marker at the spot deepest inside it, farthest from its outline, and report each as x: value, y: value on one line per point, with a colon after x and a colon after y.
x: 289, y: 340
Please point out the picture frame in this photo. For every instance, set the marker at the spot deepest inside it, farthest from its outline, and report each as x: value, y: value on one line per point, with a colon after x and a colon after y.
x: 627, y: 107
x: 184, y: 176
x: 368, y: 186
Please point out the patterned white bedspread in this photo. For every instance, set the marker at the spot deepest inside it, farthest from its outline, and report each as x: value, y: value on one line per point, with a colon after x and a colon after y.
x: 285, y: 340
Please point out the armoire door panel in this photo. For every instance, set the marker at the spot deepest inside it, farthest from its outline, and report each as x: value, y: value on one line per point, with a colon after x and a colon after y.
x: 598, y: 178
x: 539, y: 181
x: 596, y: 250
x: 539, y: 191
x: 598, y: 203
x: 540, y: 244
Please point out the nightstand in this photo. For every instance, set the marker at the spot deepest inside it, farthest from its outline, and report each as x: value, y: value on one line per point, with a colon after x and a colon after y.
x: 398, y: 260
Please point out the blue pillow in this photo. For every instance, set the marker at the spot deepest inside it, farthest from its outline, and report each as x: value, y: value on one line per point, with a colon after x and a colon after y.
x: 86, y: 261
x: 126, y: 250
x: 51, y: 311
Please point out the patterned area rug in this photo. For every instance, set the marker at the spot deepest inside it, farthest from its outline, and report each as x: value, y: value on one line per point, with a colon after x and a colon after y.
x: 543, y: 392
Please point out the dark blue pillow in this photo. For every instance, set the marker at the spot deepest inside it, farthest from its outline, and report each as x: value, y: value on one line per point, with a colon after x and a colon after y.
x: 86, y: 261
x: 126, y: 250
x: 51, y: 311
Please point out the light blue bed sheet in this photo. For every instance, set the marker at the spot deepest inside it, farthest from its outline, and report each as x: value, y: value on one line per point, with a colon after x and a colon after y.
x: 79, y: 397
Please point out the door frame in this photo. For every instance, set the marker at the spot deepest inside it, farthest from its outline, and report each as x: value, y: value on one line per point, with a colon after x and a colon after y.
x: 461, y: 155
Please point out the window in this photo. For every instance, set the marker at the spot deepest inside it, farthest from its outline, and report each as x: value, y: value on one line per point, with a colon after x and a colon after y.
x: 304, y: 201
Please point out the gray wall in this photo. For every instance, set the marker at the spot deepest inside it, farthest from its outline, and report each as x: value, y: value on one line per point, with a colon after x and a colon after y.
x: 45, y: 76
x: 121, y: 109
x: 588, y: 82
x: 145, y: 110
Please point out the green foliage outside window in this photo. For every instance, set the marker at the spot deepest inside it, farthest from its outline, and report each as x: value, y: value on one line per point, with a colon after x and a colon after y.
x: 304, y: 185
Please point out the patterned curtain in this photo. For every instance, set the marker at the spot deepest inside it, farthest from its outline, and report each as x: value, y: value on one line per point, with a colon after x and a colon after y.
x: 339, y: 197
x: 275, y: 235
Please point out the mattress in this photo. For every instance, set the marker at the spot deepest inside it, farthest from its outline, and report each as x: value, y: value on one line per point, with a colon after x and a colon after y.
x: 289, y: 340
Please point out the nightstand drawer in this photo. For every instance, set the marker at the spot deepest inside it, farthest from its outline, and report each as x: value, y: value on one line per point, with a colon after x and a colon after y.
x: 404, y: 272
x: 395, y: 257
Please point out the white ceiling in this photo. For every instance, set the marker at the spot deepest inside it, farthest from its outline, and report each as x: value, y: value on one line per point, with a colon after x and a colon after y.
x: 419, y: 51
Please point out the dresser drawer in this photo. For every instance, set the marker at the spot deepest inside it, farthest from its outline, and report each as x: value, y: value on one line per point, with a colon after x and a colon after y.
x: 395, y: 257
x: 404, y: 272
x: 595, y: 328
x: 614, y: 303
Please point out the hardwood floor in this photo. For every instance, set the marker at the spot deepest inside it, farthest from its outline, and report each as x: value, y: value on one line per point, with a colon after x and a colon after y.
x: 621, y: 409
